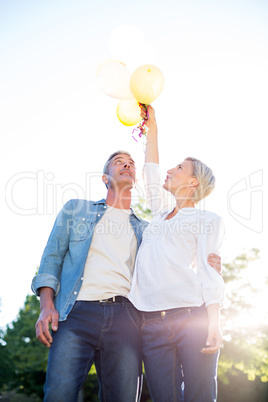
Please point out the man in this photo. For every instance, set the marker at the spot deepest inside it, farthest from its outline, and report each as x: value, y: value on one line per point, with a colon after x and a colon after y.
x: 83, y: 282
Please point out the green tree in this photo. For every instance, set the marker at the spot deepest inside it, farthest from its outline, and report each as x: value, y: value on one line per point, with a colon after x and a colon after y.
x: 243, y: 364
x: 6, y: 364
x: 26, y: 357
x: 142, y: 210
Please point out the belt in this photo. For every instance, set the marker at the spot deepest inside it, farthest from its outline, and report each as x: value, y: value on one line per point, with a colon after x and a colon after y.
x: 114, y: 299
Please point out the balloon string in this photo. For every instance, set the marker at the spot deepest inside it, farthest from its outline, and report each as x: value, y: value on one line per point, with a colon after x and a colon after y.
x: 133, y: 135
x: 142, y: 129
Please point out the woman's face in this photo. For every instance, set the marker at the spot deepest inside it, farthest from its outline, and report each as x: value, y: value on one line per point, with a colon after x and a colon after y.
x: 180, y: 178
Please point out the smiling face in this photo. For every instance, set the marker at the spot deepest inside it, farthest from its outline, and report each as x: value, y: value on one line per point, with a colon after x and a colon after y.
x: 181, y: 180
x: 121, y: 172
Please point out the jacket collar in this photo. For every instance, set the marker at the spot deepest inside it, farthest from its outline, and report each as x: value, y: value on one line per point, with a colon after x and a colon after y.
x: 102, y: 202
x: 99, y: 202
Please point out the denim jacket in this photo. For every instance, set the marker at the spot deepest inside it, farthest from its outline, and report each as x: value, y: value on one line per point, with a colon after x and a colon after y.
x: 63, y: 261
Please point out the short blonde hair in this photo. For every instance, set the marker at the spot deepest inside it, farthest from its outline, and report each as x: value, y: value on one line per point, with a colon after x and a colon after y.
x: 205, y: 179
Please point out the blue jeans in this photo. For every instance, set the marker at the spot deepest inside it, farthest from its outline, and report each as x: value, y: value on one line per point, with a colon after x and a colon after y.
x: 105, y: 333
x: 173, y: 338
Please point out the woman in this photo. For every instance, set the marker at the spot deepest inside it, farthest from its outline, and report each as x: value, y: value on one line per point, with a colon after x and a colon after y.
x: 176, y: 291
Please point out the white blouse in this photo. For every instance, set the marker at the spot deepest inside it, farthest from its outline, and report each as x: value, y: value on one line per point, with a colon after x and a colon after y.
x: 171, y: 267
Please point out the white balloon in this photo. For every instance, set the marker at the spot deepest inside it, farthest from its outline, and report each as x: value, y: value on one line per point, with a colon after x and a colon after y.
x: 114, y: 78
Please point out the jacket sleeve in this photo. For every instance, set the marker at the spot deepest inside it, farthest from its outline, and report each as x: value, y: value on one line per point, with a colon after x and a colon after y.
x: 213, y: 287
x: 53, y: 256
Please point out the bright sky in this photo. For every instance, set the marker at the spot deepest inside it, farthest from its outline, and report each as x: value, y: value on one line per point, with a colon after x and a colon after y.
x: 58, y: 127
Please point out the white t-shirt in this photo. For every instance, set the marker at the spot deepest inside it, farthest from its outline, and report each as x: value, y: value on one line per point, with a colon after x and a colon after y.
x: 171, y: 268
x: 111, y: 257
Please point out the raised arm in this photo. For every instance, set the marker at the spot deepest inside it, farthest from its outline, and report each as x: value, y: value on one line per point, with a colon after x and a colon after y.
x: 151, y: 153
x: 155, y: 193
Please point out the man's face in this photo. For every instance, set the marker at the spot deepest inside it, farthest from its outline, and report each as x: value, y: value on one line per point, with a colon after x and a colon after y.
x: 122, y: 172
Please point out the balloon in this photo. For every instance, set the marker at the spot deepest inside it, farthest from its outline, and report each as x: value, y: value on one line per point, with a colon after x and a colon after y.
x: 146, y: 83
x: 114, y: 77
x: 128, y: 112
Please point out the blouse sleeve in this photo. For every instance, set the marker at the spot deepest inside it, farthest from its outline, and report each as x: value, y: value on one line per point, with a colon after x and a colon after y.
x: 210, y: 241
x: 156, y: 195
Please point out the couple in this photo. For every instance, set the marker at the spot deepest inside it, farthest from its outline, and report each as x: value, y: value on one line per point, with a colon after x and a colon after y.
x: 84, y: 284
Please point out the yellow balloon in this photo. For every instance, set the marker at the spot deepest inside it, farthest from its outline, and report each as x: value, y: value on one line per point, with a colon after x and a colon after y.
x: 128, y: 112
x: 146, y: 83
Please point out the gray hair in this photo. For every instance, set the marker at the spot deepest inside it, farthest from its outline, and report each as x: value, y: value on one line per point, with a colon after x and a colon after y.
x: 107, y: 163
x: 205, y: 179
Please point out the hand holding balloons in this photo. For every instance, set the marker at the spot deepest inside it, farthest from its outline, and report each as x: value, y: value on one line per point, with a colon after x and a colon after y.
x: 142, y: 87
x: 146, y: 84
